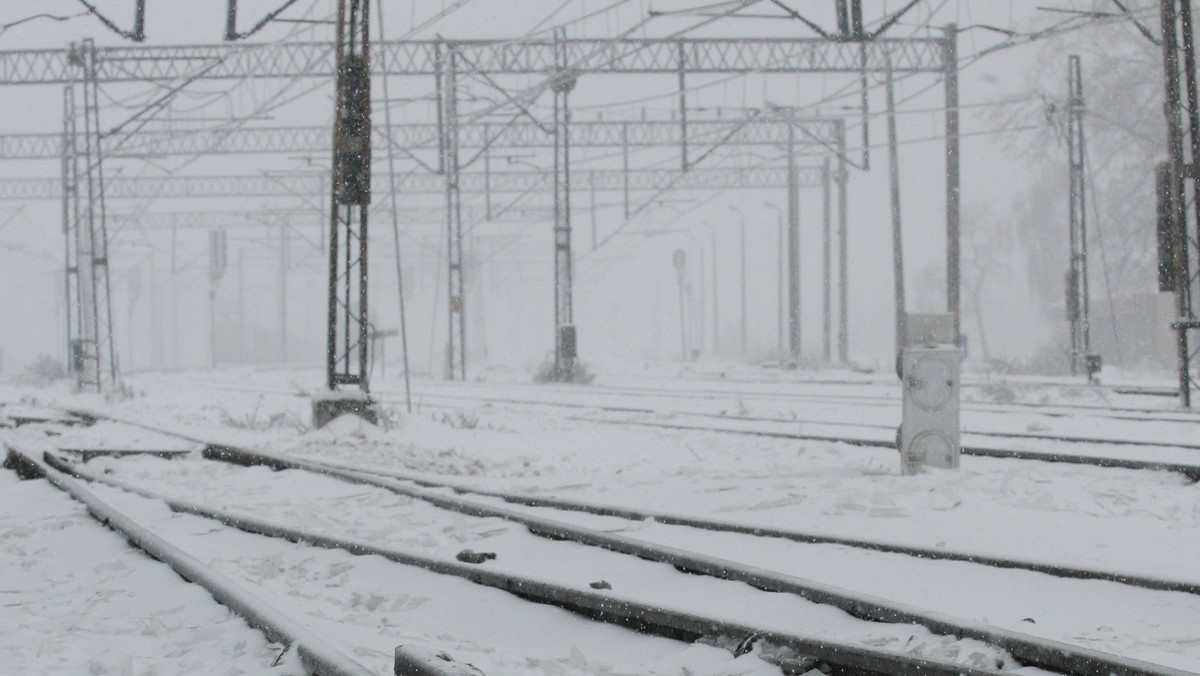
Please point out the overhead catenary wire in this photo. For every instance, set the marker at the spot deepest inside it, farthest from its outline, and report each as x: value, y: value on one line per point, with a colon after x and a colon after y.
x: 137, y: 34
x: 42, y: 15
x: 1108, y: 287
x: 965, y: 134
x: 395, y: 227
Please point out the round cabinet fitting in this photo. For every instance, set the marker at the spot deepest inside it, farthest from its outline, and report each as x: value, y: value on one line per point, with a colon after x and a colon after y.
x: 932, y: 447
x: 932, y: 383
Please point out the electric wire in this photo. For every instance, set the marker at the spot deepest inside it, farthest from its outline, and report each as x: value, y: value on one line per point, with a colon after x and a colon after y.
x: 1108, y: 287
x: 53, y: 17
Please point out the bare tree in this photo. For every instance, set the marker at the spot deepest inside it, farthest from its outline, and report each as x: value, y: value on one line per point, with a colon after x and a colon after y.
x: 987, y: 247
x: 1122, y: 75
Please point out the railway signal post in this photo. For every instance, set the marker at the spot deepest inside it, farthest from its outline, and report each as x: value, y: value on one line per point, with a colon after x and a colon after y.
x: 347, y: 330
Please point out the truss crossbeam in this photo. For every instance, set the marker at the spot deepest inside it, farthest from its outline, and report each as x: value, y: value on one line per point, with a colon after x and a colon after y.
x: 509, y: 182
x: 493, y: 57
x: 424, y: 137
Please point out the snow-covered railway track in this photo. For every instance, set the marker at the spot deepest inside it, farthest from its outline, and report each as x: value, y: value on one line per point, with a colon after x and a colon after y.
x: 1181, y: 459
x: 613, y: 605
x: 1047, y: 654
x: 796, y: 651
x: 317, y: 655
x: 559, y: 506
x: 800, y: 392
x: 1152, y: 454
x: 796, y: 420
x: 604, y: 396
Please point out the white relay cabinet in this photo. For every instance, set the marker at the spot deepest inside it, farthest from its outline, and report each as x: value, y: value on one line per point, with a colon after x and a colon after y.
x: 930, y: 366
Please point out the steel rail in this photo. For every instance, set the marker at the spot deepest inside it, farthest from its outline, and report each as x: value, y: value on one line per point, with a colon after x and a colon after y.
x: 607, y: 607
x: 1053, y: 655
x: 784, y: 421
x: 765, y: 419
x: 1168, y: 415
x: 318, y: 656
x: 1176, y: 415
x: 1050, y: 654
x: 1192, y: 472
x: 673, y: 519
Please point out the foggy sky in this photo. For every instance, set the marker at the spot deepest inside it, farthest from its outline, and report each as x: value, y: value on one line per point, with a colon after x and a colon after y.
x: 626, y: 296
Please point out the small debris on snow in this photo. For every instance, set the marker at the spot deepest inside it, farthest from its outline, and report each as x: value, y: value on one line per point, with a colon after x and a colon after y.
x: 468, y: 556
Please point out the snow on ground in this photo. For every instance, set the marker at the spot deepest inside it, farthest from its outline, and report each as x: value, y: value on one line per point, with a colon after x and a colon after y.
x: 382, y: 518
x: 372, y: 605
x: 1141, y: 522
x: 76, y: 599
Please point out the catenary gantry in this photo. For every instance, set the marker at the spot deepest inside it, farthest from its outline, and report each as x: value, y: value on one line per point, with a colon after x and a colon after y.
x: 553, y: 61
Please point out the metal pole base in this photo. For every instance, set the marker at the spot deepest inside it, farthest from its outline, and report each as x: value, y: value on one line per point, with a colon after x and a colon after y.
x: 331, y: 404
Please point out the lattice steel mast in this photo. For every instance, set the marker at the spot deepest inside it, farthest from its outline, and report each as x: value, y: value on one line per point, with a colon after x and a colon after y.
x: 1179, y: 276
x: 1077, y: 274
x: 347, y: 329
x: 565, y: 353
x: 91, y: 351
x: 447, y: 85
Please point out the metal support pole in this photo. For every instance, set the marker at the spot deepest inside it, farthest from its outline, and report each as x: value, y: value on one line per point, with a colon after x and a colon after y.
x: 742, y: 238
x: 456, y: 349
x: 953, y: 286
x: 793, y: 249
x: 132, y: 290
x: 212, y: 325
x: 565, y: 351
x: 742, y: 249
x: 156, y: 352
x: 70, y: 199
x: 439, y: 62
x: 139, y: 21
x: 1178, y: 215
x: 841, y: 177
x: 217, y: 259
x: 231, y: 20
x: 592, y: 185
x: 683, y: 127
x: 241, y: 304
x: 716, y: 322
x: 680, y: 272
x: 284, y: 264
x: 97, y: 213
x: 625, y: 164
x: 865, y: 104
x: 826, y: 245
x: 487, y: 179
x: 347, y: 355
x: 1193, y: 108
x: 699, y: 331
x: 96, y: 330
x: 897, y: 234
x: 174, y: 297
x: 780, y: 283
x: 331, y: 325
x: 1077, y: 276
